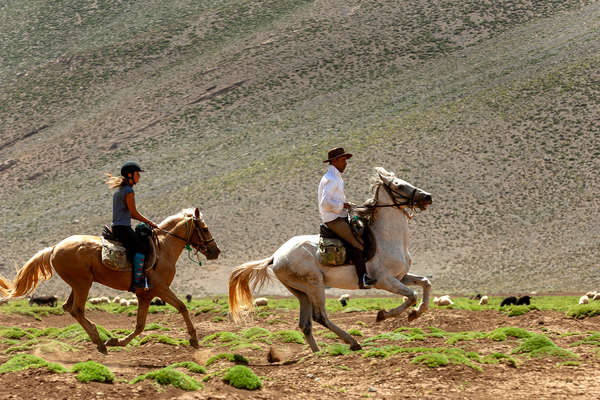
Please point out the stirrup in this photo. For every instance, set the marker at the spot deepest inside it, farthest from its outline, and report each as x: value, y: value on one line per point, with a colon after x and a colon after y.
x: 367, y: 282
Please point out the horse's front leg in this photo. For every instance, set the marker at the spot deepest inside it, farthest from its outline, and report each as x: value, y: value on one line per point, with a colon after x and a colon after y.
x: 410, y: 279
x: 142, y: 313
x: 167, y: 295
x: 393, y: 285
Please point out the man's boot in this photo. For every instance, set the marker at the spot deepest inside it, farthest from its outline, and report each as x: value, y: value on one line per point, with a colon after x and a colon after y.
x: 364, y: 281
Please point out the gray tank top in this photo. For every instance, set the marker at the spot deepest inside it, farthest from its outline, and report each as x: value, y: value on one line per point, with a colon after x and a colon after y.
x: 121, y: 215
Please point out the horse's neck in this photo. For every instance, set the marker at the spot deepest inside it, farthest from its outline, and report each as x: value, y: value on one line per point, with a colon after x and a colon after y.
x: 391, y: 224
x: 172, y: 242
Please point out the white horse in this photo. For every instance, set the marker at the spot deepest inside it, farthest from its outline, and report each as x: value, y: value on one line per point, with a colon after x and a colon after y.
x: 297, y: 266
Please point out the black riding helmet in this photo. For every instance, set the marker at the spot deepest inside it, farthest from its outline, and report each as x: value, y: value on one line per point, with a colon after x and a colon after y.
x: 129, y: 168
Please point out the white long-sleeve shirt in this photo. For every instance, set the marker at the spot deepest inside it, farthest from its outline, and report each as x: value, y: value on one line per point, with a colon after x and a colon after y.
x: 331, y: 195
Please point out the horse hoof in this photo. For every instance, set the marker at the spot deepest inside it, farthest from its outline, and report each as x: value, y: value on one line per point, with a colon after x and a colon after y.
x: 355, y: 347
x: 380, y: 316
x: 102, y: 349
x: 412, y: 315
x: 113, y: 341
x: 194, y: 343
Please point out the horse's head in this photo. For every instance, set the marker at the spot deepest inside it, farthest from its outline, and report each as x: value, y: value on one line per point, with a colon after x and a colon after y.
x: 200, y: 237
x: 402, y: 192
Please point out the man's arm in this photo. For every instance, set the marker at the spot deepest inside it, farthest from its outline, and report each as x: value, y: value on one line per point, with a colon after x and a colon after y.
x: 130, y: 200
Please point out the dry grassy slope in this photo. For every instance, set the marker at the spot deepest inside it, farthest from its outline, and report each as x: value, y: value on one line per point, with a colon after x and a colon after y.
x: 493, y: 107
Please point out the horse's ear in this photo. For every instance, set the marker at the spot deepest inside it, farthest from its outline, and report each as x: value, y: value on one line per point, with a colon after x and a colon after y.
x: 197, y: 213
x: 386, y: 177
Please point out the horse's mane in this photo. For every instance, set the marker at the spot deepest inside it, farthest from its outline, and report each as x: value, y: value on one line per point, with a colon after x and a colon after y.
x: 366, y: 211
x: 186, y: 212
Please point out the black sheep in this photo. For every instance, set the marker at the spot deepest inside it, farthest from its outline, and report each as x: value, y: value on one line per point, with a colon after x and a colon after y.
x: 524, y: 300
x: 508, y: 301
x: 43, y: 301
x: 157, y: 302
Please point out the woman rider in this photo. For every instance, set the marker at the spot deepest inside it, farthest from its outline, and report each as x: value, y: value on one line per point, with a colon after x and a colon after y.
x: 123, y: 210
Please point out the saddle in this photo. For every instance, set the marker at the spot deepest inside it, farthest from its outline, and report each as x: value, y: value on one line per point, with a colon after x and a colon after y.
x: 114, y: 255
x: 334, y: 251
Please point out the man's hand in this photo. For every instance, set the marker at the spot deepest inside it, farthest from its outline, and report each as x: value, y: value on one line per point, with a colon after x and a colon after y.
x: 151, y: 224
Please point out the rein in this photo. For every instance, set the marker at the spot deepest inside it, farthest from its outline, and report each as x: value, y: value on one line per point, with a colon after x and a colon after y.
x: 410, y: 203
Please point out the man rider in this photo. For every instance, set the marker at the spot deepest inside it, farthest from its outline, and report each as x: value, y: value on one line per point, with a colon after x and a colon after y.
x: 333, y: 209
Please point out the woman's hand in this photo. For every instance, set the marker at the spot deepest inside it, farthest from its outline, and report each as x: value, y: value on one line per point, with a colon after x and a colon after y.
x: 151, y: 224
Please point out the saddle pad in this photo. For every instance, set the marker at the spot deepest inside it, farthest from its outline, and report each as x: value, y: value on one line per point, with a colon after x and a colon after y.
x: 114, y: 256
x: 331, y: 252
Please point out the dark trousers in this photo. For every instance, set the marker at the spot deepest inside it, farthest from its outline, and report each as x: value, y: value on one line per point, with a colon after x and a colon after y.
x: 131, y: 241
x: 341, y: 227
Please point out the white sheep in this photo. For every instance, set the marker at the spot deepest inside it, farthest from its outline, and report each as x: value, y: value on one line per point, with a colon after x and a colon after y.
x: 124, y: 302
x: 584, y: 299
x: 590, y: 295
x: 483, y: 300
x: 133, y: 302
x: 596, y: 296
x: 344, y: 299
x: 261, y: 301
x: 117, y: 299
x: 435, y: 300
x: 444, y: 301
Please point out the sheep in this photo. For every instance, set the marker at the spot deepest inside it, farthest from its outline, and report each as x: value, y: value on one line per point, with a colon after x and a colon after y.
x: 99, y: 300
x: 508, y: 301
x: 584, y: 299
x: 344, y: 299
x: 261, y: 301
x: 596, y: 297
x: 476, y: 296
x: 483, y: 300
x: 124, y: 302
x: 3, y: 301
x: 43, y: 300
x: 524, y: 300
x: 133, y: 302
x: 117, y: 299
x: 445, y: 301
x: 157, y: 302
x: 188, y: 298
x: 590, y: 295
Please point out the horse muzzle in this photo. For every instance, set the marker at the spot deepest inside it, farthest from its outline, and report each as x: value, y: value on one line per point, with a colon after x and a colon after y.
x: 423, y: 200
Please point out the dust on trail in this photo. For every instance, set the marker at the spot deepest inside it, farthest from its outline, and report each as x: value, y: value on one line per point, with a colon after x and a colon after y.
x: 323, y: 376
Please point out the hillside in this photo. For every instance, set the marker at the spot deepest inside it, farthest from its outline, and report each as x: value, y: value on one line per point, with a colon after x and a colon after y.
x: 230, y: 106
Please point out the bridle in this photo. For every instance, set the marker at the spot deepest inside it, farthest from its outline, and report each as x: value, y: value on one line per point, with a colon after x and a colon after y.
x: 198, y: 228
x: 408, y: 203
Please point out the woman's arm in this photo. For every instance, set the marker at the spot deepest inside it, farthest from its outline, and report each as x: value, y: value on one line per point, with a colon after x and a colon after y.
x: 130, y: 200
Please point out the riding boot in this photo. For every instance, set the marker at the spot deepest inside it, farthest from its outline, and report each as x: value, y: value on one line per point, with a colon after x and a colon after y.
x: 364, y: 281
x: 138, y: 281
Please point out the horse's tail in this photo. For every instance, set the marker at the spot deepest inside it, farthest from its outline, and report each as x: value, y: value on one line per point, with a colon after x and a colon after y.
x: 38, y: 267
x: 240, y: 294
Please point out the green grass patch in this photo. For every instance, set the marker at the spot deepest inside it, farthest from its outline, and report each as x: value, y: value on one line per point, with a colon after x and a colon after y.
x: 25, y: 361
x: 191, y: 366
x: 155, y: 327
x: 242, y: 377
x: 540, y: 345
x: 92, y: 371
x: 502, y: 334
x: 288, y: 336
x: 581, y: 311
x: 337, y: 350
x: 234, y: 358
x: 157, y: 338
x: 22, y: 307
x: 170, y: 376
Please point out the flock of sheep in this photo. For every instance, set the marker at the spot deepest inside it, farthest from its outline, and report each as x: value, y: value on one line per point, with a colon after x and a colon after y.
x: 585, y: 299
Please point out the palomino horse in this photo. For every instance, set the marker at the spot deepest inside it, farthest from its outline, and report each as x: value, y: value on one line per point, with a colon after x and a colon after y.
x: 297, y: 266
x: 77, y: 260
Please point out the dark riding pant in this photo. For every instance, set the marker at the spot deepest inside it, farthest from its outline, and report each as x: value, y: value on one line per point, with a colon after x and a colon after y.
x: 341, y: 227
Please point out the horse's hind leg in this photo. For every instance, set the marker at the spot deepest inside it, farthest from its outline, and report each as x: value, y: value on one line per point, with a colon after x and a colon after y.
x: 168, y: 296
x: 393, y: 285
x: 410, y: 279
x: 78, y: 312
x: 305, y: 322
x: 317, y: 297
x: 142, y: 313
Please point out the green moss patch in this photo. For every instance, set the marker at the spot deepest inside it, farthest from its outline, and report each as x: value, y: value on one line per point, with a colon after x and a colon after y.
x: 157, y: 338
x: 25, y: 361
x: 540, y: 345
x: 288, y: 336
x: 191, y: 366
x: 91, y: 371
x: 584, y: 310
x: 235, y: 358
x: 156, y: 327
x: 170, y: 376
x: 501, y: 334
x: 242, y: 378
